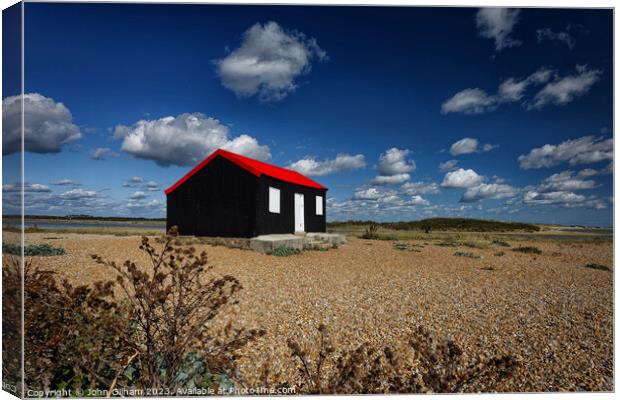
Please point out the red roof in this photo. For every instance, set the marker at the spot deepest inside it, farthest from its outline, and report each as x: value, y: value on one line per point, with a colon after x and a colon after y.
x: 255, y: 167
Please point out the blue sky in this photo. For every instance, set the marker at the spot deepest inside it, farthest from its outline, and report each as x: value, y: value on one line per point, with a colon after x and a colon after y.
x: 516, y: 106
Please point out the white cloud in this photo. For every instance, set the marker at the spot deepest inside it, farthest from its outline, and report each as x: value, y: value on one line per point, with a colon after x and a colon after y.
x: 461, y: 178
x: 469, y: 101
x: 394, y: 161
x: 40, y: 199
x: 488, y: 147
x: 447, y: 166
x: 477, y: 101
x: 467, y: 146
x: 566, y: 199
x: 560, y: 91
x: 584, y: 150
x: 28, y: 187
x: 394, y: 167
x: 488, y: 191
x: 101, y: 153
x: 152, y: 207
x: 375, y: 202
x: 564, y: 90
x: 368, y: 194
x: 184, y: 140
x: 464, y: 146
x: 563, y: 37
x: 513, y: 89
x: 417, y: 188
x: 390, y: 179
x: 558, y: 197
x: 66, y: 182
x: 78, y: 194
x: 342, y: 163
x: 586, y: 173
x: 566, y: 181
x: 48, y: 125
x: 497, y: 24
x: 152, y: 186
x: 268, y: 62
x: 417, y: 200
x: 138, y: 195
x: 133, y: 181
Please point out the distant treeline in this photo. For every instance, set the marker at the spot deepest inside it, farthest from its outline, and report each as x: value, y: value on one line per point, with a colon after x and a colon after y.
x: 444, y: 224
x: 83, y: 217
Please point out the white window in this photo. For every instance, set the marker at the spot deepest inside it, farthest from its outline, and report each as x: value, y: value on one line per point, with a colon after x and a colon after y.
x: 274, y: 200
x: 319, y: 205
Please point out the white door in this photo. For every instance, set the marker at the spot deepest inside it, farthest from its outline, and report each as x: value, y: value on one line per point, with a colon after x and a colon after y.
x: 299, y: 212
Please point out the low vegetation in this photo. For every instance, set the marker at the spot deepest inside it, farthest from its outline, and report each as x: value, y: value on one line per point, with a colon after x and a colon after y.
x: 371, y: 232
x: 528, y: 250
x: 32, y: 250
x: 501, y: 243
x: 420, y: 363
x: 600, y: 267
x: 284, y: 251
x: 151, y: 327
x: 468, y: 255
x: 444, y: 224
x: 408, y: 247
x: 464, y: 241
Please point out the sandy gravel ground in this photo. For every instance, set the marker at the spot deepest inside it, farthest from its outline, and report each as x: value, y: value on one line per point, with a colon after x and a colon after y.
x: 548, y: 310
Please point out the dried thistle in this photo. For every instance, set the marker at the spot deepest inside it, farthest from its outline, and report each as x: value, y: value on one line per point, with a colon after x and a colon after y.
x: 437, y: 367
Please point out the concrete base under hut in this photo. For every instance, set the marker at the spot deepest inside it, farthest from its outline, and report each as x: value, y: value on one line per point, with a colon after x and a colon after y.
x: 310, y: 241
x: 268, y: 243
x: 331, y: 238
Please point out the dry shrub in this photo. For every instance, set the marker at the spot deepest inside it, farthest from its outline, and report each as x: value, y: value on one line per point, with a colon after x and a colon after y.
x: 171, y: 304
x: 371, y: 232
x: 528, y: 250
x: 420, y: 364
x: 600, y: 267
x: 159, y: 336
x: 74, y: 336
x: 11, y: 324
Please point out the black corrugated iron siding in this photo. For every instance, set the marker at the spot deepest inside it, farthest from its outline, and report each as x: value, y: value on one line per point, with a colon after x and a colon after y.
x: 219, y: 200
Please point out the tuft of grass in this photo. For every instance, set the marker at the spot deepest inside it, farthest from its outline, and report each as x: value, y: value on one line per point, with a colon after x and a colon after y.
x: 33, y: 250
x: 401, y: 246
x: 600, y: 267
x: 468, y: 255
x: 371, y: 232
x: 499, y: 254
x: 499, y: 242
x: 528, y: 250
x: 407, y: 247
x: 284, y: 251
